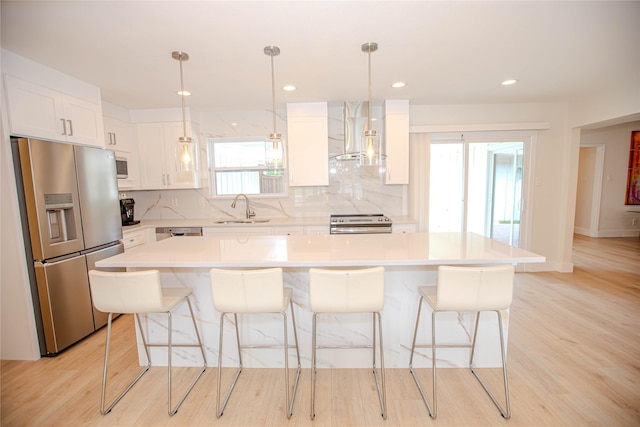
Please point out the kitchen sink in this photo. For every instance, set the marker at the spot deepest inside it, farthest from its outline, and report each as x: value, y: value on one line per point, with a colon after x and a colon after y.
x: 242, y: 221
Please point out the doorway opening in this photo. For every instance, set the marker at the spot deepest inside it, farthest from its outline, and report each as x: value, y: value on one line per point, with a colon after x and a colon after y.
x: 477, y: 184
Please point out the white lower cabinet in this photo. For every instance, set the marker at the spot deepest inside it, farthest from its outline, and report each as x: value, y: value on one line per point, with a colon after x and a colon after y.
x: 316, y: 229
x: 157, y: 159
x: 255, y: 230
x: 250, y: 230
x: 403, y: 228
x: 287, y: 230
x: 136, y: 238
x: 41, y: 112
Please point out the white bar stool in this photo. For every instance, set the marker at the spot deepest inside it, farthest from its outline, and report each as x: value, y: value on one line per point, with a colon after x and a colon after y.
x: 140, y: 292
x: 252, y: 292
x: 348, y: 291
x: 466, y: 289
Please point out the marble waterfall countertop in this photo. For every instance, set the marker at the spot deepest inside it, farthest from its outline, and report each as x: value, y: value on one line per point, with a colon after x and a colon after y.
x: 410, y: 261
x: 356, y: 250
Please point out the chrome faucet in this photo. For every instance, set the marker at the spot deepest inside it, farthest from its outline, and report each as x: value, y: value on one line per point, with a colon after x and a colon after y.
x: 249, y: 213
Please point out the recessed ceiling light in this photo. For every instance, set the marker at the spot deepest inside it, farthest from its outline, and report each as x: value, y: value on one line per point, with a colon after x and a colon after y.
x: 186, y: 93
x: 509, y: 82
x: 234, y: 124
x: 398, y: 84
x: 289, y: 88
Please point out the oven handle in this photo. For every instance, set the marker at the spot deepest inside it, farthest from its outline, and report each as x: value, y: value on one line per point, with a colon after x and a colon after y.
x: 360, y: 230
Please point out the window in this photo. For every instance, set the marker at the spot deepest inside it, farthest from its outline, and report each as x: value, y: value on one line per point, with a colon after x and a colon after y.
x: 242, y: 165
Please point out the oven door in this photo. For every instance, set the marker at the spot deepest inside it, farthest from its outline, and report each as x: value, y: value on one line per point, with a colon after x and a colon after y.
x: 360, y: 229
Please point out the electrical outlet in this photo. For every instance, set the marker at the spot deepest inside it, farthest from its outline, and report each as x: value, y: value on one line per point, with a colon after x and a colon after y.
x: 634, y: 221
x: 174, y: 202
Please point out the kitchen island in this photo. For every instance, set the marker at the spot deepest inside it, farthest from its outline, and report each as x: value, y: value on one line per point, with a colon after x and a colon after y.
x: 410, y: 260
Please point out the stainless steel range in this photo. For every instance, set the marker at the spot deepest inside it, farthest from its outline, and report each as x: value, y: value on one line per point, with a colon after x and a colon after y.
x: 360, y: 224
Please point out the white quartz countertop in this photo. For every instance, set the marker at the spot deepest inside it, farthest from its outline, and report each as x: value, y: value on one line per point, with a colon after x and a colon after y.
x: 321, y: 251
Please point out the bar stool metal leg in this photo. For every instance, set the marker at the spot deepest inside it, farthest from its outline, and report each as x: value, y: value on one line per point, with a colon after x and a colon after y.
x: 505, y: 413
x: 380, y: 380
x: 174, y: 410
x: 144, y: 370
x: 220, y: 409
x: 379, y: 377
x: 313, y: 366
x: 290, y: 398
x: 413, y: 373
x: 286, y: 361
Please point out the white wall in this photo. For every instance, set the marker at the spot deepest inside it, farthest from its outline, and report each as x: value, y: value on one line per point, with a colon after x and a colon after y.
x: 615, y: 220
x: 18, y: 339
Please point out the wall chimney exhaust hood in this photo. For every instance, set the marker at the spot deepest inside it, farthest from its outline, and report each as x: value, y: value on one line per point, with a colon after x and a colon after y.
x: 355, y: 122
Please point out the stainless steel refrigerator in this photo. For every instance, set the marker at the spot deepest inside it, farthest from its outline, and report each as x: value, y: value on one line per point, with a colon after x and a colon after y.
x: 68, y: 197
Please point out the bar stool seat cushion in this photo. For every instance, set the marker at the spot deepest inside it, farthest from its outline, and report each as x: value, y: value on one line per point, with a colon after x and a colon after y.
x: 249, y: 291
x: 339, y: 291
x: 474, y: 289
x: 135, y: 292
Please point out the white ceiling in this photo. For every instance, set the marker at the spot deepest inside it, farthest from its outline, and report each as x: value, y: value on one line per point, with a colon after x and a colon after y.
x: 447, y: 52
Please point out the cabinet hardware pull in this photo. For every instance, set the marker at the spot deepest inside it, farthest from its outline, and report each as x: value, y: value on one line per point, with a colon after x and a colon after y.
x: 115, y: 141
x: 64, y: 127
x: 70, y: 128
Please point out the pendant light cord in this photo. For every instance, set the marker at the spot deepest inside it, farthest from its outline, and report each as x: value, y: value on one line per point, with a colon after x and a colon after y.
x: 184, y: 119
x: 369, y: 107
x: 273, y: 95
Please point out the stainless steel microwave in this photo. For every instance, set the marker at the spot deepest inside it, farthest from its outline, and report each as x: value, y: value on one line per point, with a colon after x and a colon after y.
x: 122, y: 170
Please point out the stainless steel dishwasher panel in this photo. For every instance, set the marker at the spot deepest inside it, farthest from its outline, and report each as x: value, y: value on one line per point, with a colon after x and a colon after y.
x: 166, y: 232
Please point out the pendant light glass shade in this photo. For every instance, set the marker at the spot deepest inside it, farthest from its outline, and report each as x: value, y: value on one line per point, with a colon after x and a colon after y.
x: 370, y: 150
x: 274, y: 144
x: 186, y: 152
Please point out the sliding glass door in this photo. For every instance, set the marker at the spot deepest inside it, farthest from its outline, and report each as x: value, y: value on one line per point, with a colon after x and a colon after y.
x: 476, y: 185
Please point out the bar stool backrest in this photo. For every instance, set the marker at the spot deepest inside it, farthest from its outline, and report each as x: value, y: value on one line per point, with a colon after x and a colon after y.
x: 127, y: 292
x: 247, y: 291
x: 474, y: 288
x: 346, y: 291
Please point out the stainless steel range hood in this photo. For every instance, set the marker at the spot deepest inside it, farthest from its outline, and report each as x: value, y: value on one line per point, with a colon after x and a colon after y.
x: 353, y: 118
x: 355, y: 123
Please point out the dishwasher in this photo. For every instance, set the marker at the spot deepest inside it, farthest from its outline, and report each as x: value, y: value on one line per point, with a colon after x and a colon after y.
x: 166, y: 232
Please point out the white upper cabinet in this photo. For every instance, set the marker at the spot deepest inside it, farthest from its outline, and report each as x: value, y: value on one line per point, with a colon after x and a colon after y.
x: 396, y: 134
x: 117, y: 135
x: 308, y: 144
x: 37, y: 111
x: 158, y: 168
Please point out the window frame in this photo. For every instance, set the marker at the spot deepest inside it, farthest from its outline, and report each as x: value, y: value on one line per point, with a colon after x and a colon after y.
x: 213, y: 169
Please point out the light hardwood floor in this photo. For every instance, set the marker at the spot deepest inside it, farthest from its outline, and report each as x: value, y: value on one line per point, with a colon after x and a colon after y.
x: 574, y: 360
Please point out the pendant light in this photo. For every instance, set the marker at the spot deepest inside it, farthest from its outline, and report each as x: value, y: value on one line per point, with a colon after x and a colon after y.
x: 186, y: 155
x: 274, y: 145
x: 370, y: 154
